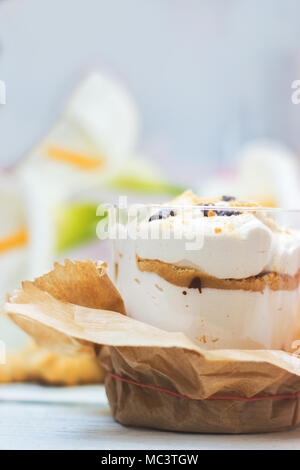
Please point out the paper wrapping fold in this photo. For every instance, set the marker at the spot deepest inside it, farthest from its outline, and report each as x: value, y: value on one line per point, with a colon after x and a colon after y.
x: 155, y: 378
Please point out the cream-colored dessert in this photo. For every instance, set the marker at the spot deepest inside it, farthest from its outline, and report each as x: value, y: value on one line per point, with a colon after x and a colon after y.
x: 235, y: 286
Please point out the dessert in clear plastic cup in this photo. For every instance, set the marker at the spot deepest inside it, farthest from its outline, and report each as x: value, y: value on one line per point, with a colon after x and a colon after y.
x: 225, y: 273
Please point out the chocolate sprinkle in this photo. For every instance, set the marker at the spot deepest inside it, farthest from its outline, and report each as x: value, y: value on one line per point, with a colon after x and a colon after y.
x: 196, y: 284
x: 262, y: 274
x: 228, y: 213
x: 228, y: 198
x: 206, y: 212
x: 184, y: 292
x: 163, y: 214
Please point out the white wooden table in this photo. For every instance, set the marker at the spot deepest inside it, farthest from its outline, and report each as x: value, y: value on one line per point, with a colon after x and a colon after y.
x: 34, y: 417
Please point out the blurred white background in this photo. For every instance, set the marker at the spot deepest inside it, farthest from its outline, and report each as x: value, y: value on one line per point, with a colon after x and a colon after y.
x: 207, y: 75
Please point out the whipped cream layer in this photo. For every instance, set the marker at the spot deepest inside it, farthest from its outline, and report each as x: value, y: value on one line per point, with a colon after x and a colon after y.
x: 234, y: 247
x: 214, y: 319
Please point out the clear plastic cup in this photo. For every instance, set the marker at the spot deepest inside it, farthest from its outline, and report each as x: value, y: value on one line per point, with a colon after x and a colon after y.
x: 228, y: 278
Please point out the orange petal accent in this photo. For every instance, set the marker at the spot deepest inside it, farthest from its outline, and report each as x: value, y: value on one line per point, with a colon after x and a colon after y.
x: 83, y: 162
x: 16, y: 240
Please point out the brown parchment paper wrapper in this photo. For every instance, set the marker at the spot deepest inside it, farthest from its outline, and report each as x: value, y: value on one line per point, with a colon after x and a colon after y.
x: 155, y: 378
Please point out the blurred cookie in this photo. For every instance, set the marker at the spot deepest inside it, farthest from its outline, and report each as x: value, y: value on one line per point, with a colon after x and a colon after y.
x: 36, y: 364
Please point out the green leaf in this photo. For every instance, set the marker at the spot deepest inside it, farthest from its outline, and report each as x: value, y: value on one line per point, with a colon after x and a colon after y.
x: 76, y: 223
